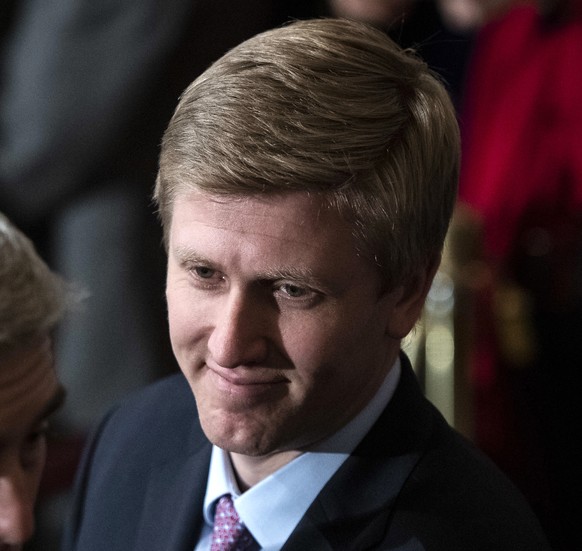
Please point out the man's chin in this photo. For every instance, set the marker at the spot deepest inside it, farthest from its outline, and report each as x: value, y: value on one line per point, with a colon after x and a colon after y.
x: 236, y: 438
x: 249, y: 448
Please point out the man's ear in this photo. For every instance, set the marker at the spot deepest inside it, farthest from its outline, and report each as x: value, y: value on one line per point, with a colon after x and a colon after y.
x: 404, y: 304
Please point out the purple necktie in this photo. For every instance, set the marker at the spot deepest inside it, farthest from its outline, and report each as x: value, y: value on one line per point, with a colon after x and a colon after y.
x: 229, y: 534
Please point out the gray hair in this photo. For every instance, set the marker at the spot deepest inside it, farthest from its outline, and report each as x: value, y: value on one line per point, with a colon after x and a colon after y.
x: 32, y: 298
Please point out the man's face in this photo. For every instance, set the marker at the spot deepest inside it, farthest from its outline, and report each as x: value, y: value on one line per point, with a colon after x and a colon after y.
x: 29, y: 393
x: 277, y: 323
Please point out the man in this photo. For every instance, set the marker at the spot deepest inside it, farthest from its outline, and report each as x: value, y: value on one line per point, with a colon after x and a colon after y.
x: 32, y: 300
x: 305, y: 186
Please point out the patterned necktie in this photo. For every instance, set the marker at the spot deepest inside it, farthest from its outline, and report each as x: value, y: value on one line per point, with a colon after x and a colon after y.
x: 229, y: 534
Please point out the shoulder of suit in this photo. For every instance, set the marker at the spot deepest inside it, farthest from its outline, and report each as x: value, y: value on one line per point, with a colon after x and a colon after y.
x: 161, y: 415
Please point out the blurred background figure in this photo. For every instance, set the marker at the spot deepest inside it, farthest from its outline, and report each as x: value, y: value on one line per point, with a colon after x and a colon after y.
x: 376, y: 12
x: 444, y: 42
x: 86, y: 89
x: 521, y: 192
x: 32, y: 302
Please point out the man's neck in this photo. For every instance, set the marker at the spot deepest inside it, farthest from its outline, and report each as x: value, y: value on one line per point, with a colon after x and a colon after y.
x: 251, y: 470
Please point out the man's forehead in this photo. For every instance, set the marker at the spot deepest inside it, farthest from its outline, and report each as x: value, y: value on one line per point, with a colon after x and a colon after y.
x: 295, y: 220
x: 262, y: 203
x: 292, y: 208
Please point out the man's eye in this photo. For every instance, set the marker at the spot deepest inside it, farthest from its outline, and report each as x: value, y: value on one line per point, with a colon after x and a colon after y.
x: 294, y: 291
x: 203, y: 272
x: 297, y: 296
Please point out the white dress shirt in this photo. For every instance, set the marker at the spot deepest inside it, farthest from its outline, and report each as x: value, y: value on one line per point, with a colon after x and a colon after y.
x: 272, y: 508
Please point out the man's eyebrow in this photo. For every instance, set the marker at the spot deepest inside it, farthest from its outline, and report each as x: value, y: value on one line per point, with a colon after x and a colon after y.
x: 290, y: 272
x: 297, y: 275
x: 186, y: 254
x: 55, y: 402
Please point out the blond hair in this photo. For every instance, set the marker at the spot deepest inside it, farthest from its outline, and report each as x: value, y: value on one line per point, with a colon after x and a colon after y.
x: 332, y: 107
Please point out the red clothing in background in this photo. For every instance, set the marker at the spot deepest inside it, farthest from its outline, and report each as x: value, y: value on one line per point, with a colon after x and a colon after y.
x: 522, y: 124
x: 522, y: 175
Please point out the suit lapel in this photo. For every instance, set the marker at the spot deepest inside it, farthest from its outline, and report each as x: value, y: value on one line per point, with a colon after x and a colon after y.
x: 172, y: 513
x: 355, y: 506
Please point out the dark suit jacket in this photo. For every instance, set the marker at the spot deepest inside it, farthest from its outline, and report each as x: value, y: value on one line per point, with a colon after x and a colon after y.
x: 412, y: 484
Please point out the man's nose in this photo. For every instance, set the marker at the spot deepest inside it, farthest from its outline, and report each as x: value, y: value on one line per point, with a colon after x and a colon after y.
x: 240, y: 329
x: 16, y: 509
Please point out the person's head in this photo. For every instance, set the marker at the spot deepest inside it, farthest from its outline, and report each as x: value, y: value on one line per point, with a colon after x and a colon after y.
x: 316, y: 161
x: 32, y: 301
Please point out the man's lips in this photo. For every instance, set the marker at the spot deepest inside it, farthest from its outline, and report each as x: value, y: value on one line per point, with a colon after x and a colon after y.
x: 250, y: 385
x: 241, y: 376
